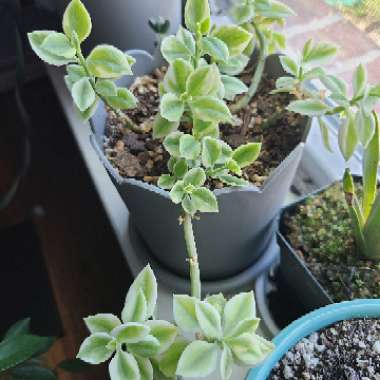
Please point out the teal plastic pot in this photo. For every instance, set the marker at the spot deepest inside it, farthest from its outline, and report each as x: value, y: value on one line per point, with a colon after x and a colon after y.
x: 310, y: 323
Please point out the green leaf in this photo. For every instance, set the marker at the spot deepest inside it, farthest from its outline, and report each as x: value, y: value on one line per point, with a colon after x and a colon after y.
x: 231, y: 180
x: 334, y: 84
x: 370, y: 164
x: 145, y: 282
x: 308, y: 107
x: 274, y: 10
x: 145, y: 368
x: 366, y: 127
x: 195, y: 177
x: 171, y: 107
x: 205, y: 128
x: 315, y: 72
x: 209, y: 320
x: 189, y: 147
x: 359, y: 81
x: 89, y: 112
x: 33, y: 372
x: 172, y: 48
x: 211, y: 151
x: 59, y: 45
x: 21, y: 327
x: 234, y: 65
x: 177, y: 75
x: 101, y: 323
x: 166, y: 181
x: 371, y: 232
x: 215, y: 48
x: 177, y: 192
x: 235, y: 37
x: 232, y: 86
x: 36, y: 39
x: 108, y: 62
x: 226, y: 153
x: 75, y: 72
x: 131, y: 332
x: 184, y: 312
x: 163, y: 127
x: 246, y: 326
x: 234, y: 167
x: 348, y: 137
x: 199, y: 359
x: 209, y: 108
x: 318, y: 53
x: 217, y: 300
x: 95, y: 349
x: 169, y: 359
x: 171, y: 143
x: 189, y: 205
x: 204, y: 200
x: 19, y: 348
x: 164, y: 332
x: 106, y: 87
x: 124, y: 366
x: 187, y: 39
x: 242, y: 13
x: 180, y: 168
x: 197, y: 12
x: 204, y: 81
x: 83, y: 94
x: 226, y: 362
x: 289, y: 65
x: 244, y: 155
x: 325, y: 134
x: 147, y: 347
x: 238, y: 308
x: 76, y: 19
x: 123, y: 100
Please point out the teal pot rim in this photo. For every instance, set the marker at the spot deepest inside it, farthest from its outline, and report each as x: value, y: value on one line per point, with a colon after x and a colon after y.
x: 311, y: 322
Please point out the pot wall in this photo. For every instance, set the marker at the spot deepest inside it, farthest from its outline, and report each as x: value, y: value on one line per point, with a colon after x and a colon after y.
x: 310, y: 323
x: 228, y: 242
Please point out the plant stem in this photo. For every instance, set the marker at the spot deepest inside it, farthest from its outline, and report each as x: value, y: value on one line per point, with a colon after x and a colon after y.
x: 257, y: 76
x: 195, y: 278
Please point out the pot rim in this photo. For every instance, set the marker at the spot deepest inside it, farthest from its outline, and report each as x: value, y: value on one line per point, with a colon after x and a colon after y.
x: 311, y: 322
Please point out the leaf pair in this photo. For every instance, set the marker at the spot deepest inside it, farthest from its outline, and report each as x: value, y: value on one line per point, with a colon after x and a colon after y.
x: 135, y: 339
x: 228, y: 326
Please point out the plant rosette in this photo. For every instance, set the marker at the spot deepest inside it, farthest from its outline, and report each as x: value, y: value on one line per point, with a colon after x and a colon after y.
x: 311, y: 323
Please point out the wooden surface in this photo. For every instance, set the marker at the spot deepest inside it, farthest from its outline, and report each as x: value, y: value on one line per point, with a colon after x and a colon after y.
x: 87, y: 271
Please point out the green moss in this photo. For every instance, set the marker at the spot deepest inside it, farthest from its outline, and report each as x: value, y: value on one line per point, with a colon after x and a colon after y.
x: 320, y: 231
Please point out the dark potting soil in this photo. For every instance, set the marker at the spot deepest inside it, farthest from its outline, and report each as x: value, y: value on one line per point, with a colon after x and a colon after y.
x: 320, y: 232
x: 347, y: 350
x: 265, y: 120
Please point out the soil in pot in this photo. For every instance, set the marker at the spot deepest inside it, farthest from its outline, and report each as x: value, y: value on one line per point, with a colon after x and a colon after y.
x: 265, y: 120
x: 319, y: 230
x: 347, y: 350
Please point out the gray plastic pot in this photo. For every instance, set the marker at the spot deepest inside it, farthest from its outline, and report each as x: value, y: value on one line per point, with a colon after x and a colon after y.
x: 228, y: 242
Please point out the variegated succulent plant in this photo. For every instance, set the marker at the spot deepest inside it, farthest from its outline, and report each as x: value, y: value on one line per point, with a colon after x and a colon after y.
x: 202, y: 59
x: 259, y: 17
x: 358, y: 129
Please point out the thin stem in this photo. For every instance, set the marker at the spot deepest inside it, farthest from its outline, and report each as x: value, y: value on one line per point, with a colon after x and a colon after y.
x: 195, y: 278
x: 257, y: 76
